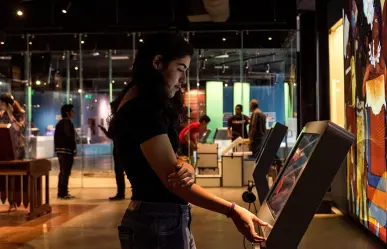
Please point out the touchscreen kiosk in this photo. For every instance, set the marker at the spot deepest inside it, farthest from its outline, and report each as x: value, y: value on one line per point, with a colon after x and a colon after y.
x: 7, y: 148
x: 265, y: 158
x: 302, y: 183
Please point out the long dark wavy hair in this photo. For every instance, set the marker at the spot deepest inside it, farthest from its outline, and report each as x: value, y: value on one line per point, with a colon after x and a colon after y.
x: 149, y: 81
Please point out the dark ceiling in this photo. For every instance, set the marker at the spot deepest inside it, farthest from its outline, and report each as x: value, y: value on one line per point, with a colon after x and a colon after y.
x: 107, y: 23
x: 120, y: 25
x: 138, y: 15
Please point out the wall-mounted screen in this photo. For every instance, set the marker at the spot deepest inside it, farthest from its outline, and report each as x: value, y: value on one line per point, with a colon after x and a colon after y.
x: 291, y: 173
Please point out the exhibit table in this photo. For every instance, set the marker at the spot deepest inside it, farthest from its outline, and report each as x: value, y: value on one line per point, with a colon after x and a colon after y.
x: 24, y: 179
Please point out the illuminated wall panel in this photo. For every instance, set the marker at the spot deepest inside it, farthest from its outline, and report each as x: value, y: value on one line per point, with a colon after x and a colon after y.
x: 365, y: 55
x: 214, y: 104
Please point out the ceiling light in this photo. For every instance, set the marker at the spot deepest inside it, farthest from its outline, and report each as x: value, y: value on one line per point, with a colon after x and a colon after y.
x: 30, y: 43
x: 44, y: 83
x: 270, y: 38
x: 76, y: 68
x: 226, y: 85
x: 125, y: 83
x: 222, y: 67
x: 222, y: 56
x: 83, y: 42
x: 118, y: 57
x: 64, y: 11
x: 19, y: 13
x: 95, y: 54
x: 113, y: 81
x: 38, y: 82
x: 2, y: 43
x: 1, y: 83
x: 80, y: 91
x: 224, y: 39
x: 141, y: 40
x: 198, y: 84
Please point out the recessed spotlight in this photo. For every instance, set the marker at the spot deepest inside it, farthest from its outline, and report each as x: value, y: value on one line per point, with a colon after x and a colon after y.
x: 83, y: 42
x: 224, y: 39
x: 19, y: 13
x: 76, y: 68
x: 64, y: 11
x: 141, y: 40
x: 270, y: 38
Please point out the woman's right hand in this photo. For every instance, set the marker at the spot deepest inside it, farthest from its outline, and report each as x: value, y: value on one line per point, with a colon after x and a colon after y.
x: 244, y: 221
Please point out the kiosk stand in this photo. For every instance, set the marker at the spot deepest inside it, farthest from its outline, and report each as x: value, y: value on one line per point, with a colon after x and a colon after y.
x: 302, y: 183
x: 266, y: 157
x: 208, y: 173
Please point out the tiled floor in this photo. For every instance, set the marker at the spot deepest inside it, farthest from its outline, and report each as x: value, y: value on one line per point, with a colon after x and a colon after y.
x: 90, y: 221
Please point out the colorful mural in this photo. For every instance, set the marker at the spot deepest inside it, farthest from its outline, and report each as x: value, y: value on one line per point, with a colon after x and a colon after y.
x: 365, y: 55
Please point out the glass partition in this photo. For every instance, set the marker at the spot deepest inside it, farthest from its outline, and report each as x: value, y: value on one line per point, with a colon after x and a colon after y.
x: 228, y: 70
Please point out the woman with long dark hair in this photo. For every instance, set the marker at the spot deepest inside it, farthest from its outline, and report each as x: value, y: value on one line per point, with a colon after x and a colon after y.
x: 145, y: 133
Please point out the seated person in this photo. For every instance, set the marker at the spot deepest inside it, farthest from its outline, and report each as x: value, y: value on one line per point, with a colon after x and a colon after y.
x: 189, y: 135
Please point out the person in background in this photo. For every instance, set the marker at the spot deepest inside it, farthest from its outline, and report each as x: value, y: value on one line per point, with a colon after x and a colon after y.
x: 237, y: 124
x: 12, y: 113
x: 65, y: 148
x: 118, y: 169
x: 189, y: 135
x: 257, y: 127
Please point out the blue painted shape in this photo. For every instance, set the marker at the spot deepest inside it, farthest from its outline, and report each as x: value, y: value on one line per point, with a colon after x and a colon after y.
x: 377, y: 213
x: 377, y: 182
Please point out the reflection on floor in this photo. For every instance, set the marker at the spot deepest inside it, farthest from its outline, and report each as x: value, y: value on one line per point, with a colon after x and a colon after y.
x: 90, y: 221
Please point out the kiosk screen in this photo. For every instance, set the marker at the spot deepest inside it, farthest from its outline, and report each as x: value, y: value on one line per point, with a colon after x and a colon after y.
x: 289, y: 176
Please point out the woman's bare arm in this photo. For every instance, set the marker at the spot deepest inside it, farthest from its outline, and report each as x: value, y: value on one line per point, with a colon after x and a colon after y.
x: 160, y: 155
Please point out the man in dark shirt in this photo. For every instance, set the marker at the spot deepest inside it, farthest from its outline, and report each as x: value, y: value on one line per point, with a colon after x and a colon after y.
x: 257, y: 127
x: 237, y: 124
x: 65, y: 148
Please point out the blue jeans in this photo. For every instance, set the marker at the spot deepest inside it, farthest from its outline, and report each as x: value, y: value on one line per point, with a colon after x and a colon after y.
x: 148, y: 225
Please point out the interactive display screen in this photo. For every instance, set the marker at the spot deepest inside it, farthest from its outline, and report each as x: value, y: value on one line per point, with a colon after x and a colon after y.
x: 290, y: 175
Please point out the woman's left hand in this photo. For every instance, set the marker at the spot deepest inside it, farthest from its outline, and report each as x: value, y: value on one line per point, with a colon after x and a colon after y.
x: 184, y: 176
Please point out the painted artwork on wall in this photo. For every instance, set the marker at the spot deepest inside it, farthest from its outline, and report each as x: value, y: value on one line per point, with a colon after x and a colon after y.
x: 365, y: 55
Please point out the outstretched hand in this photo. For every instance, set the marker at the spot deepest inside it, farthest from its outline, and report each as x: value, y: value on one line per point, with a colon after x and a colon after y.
x: 244, y: 220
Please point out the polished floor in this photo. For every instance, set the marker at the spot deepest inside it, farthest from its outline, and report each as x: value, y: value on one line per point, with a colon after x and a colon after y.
x: 90, y: 221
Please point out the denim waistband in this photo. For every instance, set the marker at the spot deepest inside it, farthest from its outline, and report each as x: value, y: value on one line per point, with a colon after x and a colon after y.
x: 159, y: 208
